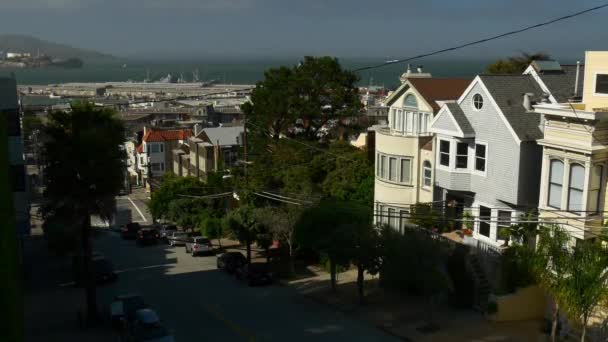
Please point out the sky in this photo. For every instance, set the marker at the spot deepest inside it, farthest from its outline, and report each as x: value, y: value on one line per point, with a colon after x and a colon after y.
x: 389, y: 29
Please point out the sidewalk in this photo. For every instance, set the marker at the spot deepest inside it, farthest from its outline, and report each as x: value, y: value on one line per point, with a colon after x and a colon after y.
x: 51, y: 310
x: 402, y: 316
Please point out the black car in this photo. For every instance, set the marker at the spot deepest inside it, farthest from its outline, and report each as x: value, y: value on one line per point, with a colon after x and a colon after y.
x: 230, y: 261
x: 129, y: 231
x: 147, y: 236
x: 103, y: 271
x: 255, y: 274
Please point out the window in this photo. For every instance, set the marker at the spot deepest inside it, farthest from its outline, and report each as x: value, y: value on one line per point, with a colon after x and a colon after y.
x: 480, y: 157
x: 402, y: 220
x: 155, y: 166
x: 405, y: 171
x: 575, y: 188
x: 595, y: 185
x: 556, y: 178
x: 153, y: 148
x: 162, y: 147
x: 392, y: 169
x: 393, y: 218
x: 601, y: 84
x: 428, y: 173
x: 397, y: 124
x: 477, y: 101
x: 382, y: 166
x: 504, y: 220
x: 410, y: 122
x: 382, y: 215
x: 444, y: 153
x: 462, y: 155
x: 410, y: 101
x: 485, y: 214
x: 393, y: 118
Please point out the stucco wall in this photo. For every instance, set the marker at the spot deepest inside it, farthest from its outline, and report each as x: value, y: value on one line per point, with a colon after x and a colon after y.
x: 595, y: 61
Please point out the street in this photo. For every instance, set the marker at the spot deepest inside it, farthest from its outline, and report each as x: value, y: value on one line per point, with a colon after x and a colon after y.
x: 198, y: 302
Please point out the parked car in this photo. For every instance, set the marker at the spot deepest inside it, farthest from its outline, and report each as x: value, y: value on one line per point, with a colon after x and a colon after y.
x: 103, y: 270
x: 198, y: 245
x: 123, y: 309
x: 165, y: 232
x: 147, y: 236
x: 230, y: 261
x: 129, y: 231
x: 147, y: 327
x: 255, y: 274
x: 177, y: 238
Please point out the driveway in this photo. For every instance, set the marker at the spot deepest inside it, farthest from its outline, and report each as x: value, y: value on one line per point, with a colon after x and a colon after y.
x: 198, y: 302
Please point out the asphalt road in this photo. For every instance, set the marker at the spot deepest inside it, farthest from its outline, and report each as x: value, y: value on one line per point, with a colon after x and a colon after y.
x: 199, y: 303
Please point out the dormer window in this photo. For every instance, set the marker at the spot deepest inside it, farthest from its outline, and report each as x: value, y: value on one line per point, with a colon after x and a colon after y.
x: 410, y: 101
x: 477, y: 101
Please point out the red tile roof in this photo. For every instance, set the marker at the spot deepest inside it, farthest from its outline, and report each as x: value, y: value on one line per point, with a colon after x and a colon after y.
x: 167, y: 135
x: 434, y: 89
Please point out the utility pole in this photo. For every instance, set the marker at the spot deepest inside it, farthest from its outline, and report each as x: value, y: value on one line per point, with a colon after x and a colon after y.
x: 245, y: 146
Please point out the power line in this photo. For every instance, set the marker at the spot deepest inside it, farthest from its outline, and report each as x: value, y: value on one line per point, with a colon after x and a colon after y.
x: 502, y: 35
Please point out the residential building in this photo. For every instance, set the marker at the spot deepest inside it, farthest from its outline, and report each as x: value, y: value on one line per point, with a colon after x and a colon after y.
x: 575, y: 152
x: 404, y: 153
x: 488, y: 158
x: 155, y: 154
x: 132, y: 162
x: 214, y: 149
x: 181, y: 160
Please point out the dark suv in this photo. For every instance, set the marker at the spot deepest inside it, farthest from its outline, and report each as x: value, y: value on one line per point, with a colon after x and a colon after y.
x: 129, y: 231
x: 147, y: 236
x: 230, y: 261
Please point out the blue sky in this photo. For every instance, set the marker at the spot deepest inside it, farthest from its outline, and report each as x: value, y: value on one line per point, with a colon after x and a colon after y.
x: 277, y: 28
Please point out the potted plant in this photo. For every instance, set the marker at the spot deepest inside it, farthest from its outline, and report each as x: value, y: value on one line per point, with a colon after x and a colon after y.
x: 467, y: 226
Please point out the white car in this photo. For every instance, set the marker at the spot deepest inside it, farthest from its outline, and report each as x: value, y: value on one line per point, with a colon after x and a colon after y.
x: 177, y: 238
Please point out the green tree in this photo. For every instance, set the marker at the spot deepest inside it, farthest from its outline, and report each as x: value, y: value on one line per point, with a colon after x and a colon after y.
x: 330, y: 228
x: 585, y: 286
x: 281, y: 223
x: 516, y: 64
x: 314, y: 91
x: 187, y: 212
x: 84, y: 169
x: 212, y: 228
x: 349, y: 174
x: 550, y: 266
x: 172, y: 188
x: 243, y: 226
x: 367, y: 254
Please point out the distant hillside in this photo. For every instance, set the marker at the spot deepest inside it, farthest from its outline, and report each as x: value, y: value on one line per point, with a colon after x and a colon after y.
x: 18, y: 43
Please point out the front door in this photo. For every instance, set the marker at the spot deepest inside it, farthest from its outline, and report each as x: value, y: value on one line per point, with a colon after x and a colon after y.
x: 454, y: 210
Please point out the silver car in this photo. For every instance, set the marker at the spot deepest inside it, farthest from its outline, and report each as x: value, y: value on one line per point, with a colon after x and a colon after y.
x: 177, y: 238
x: 198, y: 245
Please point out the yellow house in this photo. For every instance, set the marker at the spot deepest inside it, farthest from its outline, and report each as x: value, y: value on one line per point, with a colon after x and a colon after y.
x: 405, y: 158
x: 575, y: 152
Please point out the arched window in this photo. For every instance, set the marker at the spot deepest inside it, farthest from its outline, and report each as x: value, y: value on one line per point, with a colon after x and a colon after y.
x: 410, y: 101
x: 428, y: 173
x: 477, y: 101
x: 576, y: 187
x: 556, y: 179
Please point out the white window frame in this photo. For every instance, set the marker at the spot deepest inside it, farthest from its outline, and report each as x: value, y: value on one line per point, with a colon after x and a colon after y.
x: 561, y: 192
x: 570, y: 188
x: 473, y: 102
x: 155, y: 146
x: 456, y: 155
x: 474, y: 168
x: 383, y: 172
x: 424, y: 177
x: 401, y: 160
x: 449, y: 153
x: 597, y: 199
x: 392, y: 177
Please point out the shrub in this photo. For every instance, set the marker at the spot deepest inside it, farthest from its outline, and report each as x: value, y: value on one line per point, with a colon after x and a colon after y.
x: 516, y: 268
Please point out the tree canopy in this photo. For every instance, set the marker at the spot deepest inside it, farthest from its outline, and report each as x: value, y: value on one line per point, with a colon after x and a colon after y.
x: 516, y: 64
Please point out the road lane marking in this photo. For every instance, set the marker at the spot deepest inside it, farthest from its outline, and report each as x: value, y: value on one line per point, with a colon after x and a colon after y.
x: 214, y: 311
x: 137, y: 208
x: 143, y: 268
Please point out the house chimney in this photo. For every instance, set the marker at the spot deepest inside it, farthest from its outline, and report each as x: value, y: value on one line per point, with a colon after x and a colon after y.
x: 527, y: 103
x: 419, y: 69
x: 578, y: 69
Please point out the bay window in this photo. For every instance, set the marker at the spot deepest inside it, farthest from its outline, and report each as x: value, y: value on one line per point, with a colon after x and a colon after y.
x: 405, y: 171
x: 480, y: 157
x: 595, y: 185
x: 462, y: 155
x: 556, y: 179
x: 444, y: 153
x: 392, y: 169
x: 576, y: 188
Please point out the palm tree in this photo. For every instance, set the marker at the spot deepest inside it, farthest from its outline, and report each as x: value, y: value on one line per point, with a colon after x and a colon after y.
x: 84, y: 173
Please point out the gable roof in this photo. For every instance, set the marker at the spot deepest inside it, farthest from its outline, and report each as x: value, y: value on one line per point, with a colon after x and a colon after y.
x: 437, y: 89
x: 432, y: 89
x: 561, y: 85
x: 507, y: 91
x: 460, y: 118
x: 167, y: 135
x: 225, y: 135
